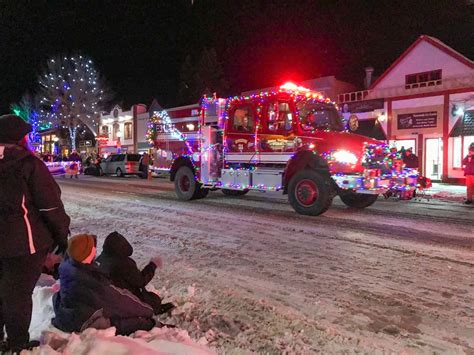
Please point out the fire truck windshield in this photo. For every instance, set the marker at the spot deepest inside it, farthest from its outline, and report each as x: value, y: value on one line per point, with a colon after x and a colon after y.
x: 317, y: 115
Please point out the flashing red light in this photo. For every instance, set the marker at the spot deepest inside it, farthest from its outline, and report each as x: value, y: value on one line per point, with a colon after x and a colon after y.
x: 291, y: 86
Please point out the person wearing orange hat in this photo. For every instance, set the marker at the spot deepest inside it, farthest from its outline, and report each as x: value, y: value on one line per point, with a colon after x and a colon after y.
x: 32, y: 223
x: 87, y: 298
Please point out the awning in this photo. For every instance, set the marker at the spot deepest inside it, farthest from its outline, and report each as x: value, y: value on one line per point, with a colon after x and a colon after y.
x: 371, y: 128
x: 464, y: 126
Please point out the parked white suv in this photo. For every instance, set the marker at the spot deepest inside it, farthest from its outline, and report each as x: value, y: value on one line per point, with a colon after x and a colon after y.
x: 121, y: 165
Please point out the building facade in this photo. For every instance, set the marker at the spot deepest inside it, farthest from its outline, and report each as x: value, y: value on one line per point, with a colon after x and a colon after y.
x: 118, y: 130
x: 423, y: 101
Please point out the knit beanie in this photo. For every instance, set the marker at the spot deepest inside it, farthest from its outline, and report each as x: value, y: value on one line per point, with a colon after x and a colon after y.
x: 80, y: 246
x: 13, y: 129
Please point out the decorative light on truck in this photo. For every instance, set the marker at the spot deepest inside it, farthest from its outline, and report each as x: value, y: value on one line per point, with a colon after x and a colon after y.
x: 344, y: 157
x: 293, y: 87
x: 161, y: 122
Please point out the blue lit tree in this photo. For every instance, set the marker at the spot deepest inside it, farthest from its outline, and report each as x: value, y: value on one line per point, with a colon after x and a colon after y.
x: 72, y: 94
x: 28, y: 110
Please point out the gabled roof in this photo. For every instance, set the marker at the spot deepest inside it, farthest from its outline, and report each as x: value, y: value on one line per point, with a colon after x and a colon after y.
x: 464, y: 125
x: 434, y: 42
x: 154, y: 106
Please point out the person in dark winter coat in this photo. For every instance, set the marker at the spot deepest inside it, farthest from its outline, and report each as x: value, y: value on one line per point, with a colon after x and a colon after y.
x: 410, y: 159
x: 74, y: 156
x: 87, y: 298
x: 116, y: 263
x: 468, y: 164
x: 32, y: 222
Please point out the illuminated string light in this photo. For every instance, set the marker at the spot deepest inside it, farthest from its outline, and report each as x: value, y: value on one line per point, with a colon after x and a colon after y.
x: 71, y: 95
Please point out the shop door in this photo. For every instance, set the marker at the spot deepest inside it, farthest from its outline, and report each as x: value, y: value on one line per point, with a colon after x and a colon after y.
x: 434, y: 158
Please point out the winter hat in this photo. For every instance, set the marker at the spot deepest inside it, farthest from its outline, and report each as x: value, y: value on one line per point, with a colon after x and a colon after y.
x: 117, y: 244
x: 13, y: 129
x: 80, y: 246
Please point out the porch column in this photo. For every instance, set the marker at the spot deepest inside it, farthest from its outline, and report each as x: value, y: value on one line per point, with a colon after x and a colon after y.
x: 444, y: 176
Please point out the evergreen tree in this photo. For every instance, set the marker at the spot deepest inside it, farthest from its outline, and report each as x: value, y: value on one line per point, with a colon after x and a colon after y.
x: 204, y: 77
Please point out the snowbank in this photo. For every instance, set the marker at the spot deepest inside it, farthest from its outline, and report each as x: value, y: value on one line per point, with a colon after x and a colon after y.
x: 101, y: 342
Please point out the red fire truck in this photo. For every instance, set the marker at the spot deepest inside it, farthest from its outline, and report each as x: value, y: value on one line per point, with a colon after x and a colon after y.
x: 291, y: 140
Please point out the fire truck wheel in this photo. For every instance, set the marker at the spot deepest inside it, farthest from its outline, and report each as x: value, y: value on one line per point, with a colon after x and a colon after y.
x: 228, y: 192
x: 119, y: 172
x: 185, y: 185
x: 200, y: 193
x: 309, y: 193
x: 355, y: 200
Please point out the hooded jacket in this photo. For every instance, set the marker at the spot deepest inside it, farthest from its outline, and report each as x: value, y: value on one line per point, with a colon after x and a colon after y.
x: 85, y: 291
x: 32, y: 216
x: 116, y: 263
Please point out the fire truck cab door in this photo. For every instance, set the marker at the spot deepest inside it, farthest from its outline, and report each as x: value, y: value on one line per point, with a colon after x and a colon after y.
x: 240, y: 133
x: 276, y: 134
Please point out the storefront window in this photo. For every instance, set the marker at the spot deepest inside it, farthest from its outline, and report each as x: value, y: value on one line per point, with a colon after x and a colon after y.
x: 128, y: 130
x: 105, y: 130
x: 458, y: 152
x: 404, y: 143
x: 457, y: 156
x: 116, y: 129
x: 467, y: 142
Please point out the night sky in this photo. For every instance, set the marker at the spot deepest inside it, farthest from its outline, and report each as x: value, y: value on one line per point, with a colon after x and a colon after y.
x: 139, y: 46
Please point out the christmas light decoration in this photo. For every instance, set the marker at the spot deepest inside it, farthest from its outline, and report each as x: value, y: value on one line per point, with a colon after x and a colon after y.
x: 160, y: 122
x: 28, y: 114
x: 71, y: 95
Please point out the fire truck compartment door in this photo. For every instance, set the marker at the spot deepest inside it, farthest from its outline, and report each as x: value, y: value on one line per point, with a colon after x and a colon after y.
x: 235, y: 179
x: 211, y: 155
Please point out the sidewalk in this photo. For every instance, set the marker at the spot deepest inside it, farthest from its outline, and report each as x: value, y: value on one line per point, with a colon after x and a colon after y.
x: 447, y: 192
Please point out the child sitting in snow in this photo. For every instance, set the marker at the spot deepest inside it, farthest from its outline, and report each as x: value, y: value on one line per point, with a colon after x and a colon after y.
x: 116, y: 263
x: 87, y: 298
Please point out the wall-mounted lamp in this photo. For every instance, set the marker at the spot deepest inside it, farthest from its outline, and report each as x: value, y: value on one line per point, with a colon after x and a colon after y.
x: 382, y: 117
x: 459, y: 111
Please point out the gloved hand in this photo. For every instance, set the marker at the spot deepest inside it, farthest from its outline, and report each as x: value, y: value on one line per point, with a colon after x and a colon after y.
x: 60, y: 248
x: 157, y: 261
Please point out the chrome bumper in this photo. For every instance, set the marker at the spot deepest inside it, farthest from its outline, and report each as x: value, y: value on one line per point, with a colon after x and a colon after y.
x: 377, y: 184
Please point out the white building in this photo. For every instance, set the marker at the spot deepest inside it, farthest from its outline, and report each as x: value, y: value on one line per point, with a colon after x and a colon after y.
x: 424, y: 101
x: 118, y: 130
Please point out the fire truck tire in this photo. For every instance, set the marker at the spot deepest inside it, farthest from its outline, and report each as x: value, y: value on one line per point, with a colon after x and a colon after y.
x: 185, y: 185
x: 309, y: 193
x: 228, y: 192
x: 119, y: 172
x: 200, y: 193
x: 355, y: 200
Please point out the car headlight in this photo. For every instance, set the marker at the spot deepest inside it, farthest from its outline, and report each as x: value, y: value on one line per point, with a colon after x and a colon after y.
x: 344, y: 157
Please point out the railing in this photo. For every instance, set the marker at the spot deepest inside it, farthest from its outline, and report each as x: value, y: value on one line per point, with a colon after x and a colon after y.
x: 408, y: 89
x: 353, y: 96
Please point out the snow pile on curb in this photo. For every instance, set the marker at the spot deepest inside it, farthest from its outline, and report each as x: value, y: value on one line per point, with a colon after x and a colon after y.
x: 96, y: 342
x: 448, y: 196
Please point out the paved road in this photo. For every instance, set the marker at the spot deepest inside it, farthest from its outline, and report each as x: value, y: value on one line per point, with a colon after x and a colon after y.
x: 250, y: 274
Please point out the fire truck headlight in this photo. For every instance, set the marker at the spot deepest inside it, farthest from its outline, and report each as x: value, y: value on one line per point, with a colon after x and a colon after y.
x: 345, y: 157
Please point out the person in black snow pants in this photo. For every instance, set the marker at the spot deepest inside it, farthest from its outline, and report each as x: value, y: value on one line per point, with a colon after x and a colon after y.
x: 87, y: 298
x: 32, y: 223
x: 116, y: 263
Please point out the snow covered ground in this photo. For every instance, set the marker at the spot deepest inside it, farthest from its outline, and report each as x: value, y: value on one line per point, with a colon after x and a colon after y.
x: 248, y: 274
x: 99, y: 342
